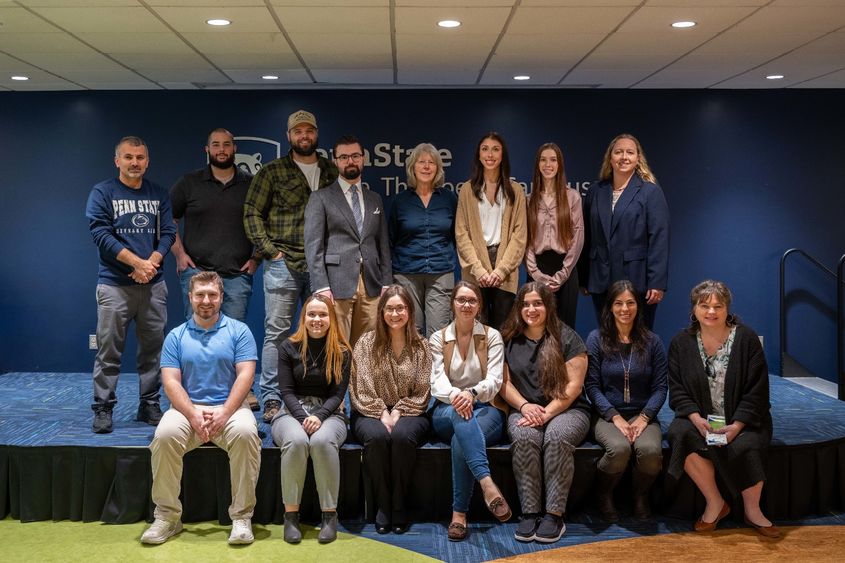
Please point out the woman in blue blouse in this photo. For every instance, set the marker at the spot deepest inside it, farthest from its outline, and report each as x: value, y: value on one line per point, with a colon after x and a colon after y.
x: 627, y: 384
x: 422, y: 235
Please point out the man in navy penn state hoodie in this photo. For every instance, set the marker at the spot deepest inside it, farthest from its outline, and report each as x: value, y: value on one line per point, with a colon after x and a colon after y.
x: 132, y: 226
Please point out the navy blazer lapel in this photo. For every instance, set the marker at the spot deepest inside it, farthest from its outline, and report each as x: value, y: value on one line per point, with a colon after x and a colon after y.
x: 628, y: 195
x: 603, y: 201
x: 344, y: 207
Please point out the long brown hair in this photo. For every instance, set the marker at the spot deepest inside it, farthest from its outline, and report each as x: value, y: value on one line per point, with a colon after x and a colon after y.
x: 642, y: 170
x: 551, y: 363
x: 337, y: 347
x: 640, y: 335
x: 564, y: 220
x: 476, y: 180
x: 415, y: 343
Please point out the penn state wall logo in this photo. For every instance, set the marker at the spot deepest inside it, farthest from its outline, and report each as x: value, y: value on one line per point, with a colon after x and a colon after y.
x: 255, y: 152
x: 140, y: 220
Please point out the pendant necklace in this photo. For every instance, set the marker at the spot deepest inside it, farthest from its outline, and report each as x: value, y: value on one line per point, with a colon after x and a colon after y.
x: 626, y: 393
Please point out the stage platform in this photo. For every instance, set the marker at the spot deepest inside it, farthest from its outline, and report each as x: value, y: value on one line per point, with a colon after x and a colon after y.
x: 52, y: 467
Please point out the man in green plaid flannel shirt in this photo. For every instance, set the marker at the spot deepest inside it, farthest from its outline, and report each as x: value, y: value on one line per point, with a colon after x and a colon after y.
x: 274, y: 218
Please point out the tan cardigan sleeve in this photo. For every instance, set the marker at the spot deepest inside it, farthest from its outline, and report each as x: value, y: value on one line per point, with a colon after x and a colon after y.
x: 517, y: 235
x: 467, y: 229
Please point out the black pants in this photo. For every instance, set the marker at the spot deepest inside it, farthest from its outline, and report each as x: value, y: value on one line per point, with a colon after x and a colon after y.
x: 497, y: 306
x: 389, y: 460
x: 550, y: 263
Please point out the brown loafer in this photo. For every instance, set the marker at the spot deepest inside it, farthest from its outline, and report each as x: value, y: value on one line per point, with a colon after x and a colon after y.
x: 500, y: 509
x: 457, y: 532
x: 771, y: 532
x: 702, y: 526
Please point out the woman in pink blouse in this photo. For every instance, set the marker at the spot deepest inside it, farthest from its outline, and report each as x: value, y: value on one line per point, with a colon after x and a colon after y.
x: 390, y: 393
x: 555, y: 231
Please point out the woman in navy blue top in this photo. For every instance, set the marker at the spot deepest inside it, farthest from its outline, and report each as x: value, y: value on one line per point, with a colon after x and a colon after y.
x: 422, y: 236
x: 627, y: 384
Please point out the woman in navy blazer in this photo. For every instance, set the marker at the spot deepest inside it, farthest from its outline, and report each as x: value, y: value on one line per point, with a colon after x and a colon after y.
x: 626, y: 222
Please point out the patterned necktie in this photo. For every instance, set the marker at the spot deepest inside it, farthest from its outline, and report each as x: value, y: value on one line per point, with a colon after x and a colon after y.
x: 356, y: 208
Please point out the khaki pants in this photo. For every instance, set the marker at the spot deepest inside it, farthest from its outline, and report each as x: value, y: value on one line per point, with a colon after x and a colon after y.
x: 356, y: 315
x: 174, y: 437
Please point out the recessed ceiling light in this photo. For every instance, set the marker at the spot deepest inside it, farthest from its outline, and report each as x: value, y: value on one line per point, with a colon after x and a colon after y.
x: 774, y: 77
x: 218, y: 21
x: 683, y: 24
x: 21, y: 78
x: 269, y: 77
x: 522, y: 77
x: 449, y: 23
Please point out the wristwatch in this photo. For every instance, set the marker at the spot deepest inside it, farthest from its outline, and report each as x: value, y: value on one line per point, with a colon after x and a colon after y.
x: 472, y: 390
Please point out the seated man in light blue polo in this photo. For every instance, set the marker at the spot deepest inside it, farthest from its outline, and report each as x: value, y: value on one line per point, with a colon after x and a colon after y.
x: 207, y: 368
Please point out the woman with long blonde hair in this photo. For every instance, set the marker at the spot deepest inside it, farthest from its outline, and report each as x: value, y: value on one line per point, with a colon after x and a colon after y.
x: 314, y: 370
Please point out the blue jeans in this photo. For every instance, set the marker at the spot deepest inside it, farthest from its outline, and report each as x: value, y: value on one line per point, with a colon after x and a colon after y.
x: 237, y: 290
x: 284, y: 290
x: 468, y: 439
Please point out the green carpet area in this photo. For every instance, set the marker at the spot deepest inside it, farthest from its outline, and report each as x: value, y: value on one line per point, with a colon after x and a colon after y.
x: 206, y: 542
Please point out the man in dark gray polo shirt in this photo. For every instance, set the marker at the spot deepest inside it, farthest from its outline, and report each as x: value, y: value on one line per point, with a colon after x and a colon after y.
x: 209, y: 203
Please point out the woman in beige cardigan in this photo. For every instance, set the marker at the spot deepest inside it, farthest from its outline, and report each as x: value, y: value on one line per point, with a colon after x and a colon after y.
x: 491, y: 229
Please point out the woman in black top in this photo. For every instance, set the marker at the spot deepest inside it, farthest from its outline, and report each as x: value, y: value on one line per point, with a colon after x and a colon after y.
x: 547, y: 362
x: 314, y: 369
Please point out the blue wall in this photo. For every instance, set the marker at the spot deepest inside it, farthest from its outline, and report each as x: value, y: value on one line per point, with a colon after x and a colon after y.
x: 747, y: 174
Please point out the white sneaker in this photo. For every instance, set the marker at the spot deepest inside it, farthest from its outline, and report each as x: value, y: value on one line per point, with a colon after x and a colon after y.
x: 241, y: 532
x: 160, y: 530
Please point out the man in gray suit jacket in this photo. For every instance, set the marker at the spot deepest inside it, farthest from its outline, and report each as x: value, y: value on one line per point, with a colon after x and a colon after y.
x: 346, y: 243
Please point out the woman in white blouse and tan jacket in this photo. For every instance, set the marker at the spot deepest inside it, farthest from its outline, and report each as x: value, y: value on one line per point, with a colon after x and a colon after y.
x: 466, y: 375
x: 490, y: 229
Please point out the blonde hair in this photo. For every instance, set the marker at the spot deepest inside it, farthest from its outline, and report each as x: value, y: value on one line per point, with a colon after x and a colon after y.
x: 419, y: 150
x: 337, y: 347
x: 643, y: 171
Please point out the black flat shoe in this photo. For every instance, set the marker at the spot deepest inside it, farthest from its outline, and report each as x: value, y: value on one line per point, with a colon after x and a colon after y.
x: 382, y: 528
x: 401, y: 528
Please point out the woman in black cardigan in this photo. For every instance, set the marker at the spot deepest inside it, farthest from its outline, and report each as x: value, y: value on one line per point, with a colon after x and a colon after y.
x: 717, y: 367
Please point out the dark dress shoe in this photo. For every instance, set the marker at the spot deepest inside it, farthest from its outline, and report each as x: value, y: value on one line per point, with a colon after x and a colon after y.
x: 702, y: 526
x: 401, y: 528
x: 771, y: 532
x: 382, y: 528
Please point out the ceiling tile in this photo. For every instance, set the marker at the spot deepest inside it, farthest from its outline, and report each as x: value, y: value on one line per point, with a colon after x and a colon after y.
x: 344, y: 51
x: 114, y: 19
x: 160, y: 43
x: 353, y: 76
x: 326, y: 21
x: 482, y: 21
x: 19, y: 20
x: 244, y: 19
x: 239, y: 43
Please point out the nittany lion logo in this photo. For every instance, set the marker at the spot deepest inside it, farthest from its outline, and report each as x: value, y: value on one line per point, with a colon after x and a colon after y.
x: 140, y: 220
x: 249, y: 163
x: 255, y: 152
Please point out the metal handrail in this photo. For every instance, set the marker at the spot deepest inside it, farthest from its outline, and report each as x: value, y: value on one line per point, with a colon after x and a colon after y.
x: 840, y: 280
x: 840, y: 327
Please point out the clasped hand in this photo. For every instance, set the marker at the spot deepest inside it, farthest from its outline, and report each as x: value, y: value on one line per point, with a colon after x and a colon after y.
x: 532, y: 415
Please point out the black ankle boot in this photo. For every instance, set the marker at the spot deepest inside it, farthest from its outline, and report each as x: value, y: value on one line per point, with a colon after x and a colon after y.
x: 642, y: 485
x: 605, y: 483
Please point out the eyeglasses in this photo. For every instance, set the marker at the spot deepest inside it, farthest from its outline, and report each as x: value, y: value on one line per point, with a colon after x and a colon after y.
x: 466, y: 301
x: 398, y: 309
x: 355, y: 157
